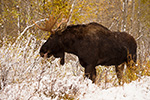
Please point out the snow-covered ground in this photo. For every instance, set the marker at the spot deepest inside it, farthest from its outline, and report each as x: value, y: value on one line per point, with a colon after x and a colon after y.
x: 76, y: 89
x: 136, y: 90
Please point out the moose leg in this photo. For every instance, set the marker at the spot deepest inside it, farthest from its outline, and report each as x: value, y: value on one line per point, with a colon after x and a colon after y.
x: 62, y: 61
x: 61, y: 56
x: 90, y: 72
x: 119, y: 72
x: 94, y: 75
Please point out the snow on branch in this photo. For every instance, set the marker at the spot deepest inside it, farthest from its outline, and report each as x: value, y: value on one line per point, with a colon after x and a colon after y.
x: 26, y: 30
x: 71, y: 10
x: 139, y: 37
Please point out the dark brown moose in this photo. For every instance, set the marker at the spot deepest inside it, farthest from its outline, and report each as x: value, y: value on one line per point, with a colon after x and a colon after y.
x: 93, y: 43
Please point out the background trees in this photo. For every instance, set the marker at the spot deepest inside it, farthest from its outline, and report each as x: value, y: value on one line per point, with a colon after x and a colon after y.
x: 131, y: 16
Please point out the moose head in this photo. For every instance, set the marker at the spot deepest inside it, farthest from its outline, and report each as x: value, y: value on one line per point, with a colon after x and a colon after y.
x: 52, y: 46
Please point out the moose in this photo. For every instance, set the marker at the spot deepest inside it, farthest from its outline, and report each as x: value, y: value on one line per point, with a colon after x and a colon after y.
x: 93, y: 43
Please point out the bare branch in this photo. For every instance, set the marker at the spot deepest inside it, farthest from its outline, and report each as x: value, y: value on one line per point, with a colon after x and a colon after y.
x: 139, y: 37
x: 26, y: 30
x: 71, y: 10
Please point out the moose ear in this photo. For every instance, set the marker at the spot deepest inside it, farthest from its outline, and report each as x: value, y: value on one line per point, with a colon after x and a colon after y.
x: 62, y: 27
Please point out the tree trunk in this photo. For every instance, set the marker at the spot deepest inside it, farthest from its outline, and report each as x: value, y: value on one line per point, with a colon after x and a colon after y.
x: 139, y: 33
x: 125, y: 10
x: 3, y: 31
x: 132, y: 16
x: 18, y: 19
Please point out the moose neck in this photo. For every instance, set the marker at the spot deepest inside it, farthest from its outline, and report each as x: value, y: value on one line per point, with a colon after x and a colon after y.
x: 66, y: 41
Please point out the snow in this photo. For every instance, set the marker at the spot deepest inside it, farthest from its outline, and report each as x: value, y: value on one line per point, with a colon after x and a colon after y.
x: 85, y: 90
x: 136, y: 90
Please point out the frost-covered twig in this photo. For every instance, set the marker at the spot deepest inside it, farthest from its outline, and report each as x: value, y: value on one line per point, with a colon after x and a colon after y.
x: 26, y: 30
x: 139, y: 37
x: 71, y: 11
x: 115, y: 21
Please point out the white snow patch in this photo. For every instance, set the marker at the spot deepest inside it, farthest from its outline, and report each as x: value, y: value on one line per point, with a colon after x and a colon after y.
x: 136, y: 90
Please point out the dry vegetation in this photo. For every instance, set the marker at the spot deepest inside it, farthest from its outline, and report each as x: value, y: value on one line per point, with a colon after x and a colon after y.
x: 25, y: 75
